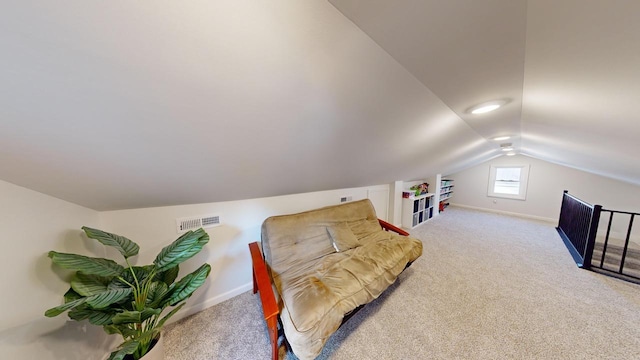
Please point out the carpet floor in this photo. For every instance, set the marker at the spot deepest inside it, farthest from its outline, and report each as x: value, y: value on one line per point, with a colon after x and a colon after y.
x: 488, y: 286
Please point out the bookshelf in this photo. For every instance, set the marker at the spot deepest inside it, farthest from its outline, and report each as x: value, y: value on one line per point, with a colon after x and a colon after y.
x: 417, y: 209
x: 446, y: 192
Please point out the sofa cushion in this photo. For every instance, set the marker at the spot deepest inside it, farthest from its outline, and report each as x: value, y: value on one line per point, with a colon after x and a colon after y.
x: 364, y: 227
x: 289, y: 241
x: 342, y: 238
x: 338, y: 279
x: 316, y: 298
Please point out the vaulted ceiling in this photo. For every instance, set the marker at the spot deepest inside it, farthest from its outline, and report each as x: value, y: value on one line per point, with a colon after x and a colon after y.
x: 120, y: 104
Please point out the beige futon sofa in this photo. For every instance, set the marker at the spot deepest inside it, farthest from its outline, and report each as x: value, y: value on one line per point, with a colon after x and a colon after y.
x: 322, y: 265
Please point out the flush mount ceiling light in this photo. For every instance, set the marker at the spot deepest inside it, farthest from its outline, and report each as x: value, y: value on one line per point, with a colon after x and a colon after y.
x: 511, y: 154
x: 506, y: 147
x: 486, y: 107
x: 501, y: 138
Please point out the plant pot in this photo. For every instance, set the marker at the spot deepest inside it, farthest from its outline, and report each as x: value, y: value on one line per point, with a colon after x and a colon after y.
x: 156, y: 352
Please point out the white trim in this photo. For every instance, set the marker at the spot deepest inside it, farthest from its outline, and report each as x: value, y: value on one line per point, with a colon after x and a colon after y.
x: 196, y: 308
x: 526, y: 216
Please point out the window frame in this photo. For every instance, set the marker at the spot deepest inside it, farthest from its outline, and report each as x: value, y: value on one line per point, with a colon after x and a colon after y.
x: 524, y: 182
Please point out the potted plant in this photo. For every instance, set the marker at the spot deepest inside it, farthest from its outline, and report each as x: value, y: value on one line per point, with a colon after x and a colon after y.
x: 130, y: 300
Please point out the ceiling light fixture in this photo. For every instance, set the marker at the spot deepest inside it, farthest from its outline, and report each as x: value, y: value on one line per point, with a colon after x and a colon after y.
x: 506, y: 147
x: 487, y: 107
x: 511, y: 154
x: 501, y: 138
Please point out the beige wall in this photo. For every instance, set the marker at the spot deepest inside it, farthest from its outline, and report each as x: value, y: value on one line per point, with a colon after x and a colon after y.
x: 31, y: 224
x: 546, y: 183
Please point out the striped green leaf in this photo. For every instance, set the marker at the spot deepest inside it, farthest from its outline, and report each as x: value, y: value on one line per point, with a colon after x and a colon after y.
x: 125, y: 246
x: 125, y: 330
x: 117, y: 284
x: 88, y: 265
x: 71, y: 295
x: 168, y: 276
x: 126, y: 348
x: 183, y: 248
x: 64, y: 307
x: 101, y: 317
x: 96, y: 317
x: 187, y: 285
x: 157, y: 291
x: 98, y: 301
x: 142, y: 272
x: 135, y: 317
x: 87, y: 285
x: 102, y: 300
x: 79, y: 314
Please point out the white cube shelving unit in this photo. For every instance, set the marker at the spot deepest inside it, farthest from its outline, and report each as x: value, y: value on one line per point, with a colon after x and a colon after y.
x: 417, y: 209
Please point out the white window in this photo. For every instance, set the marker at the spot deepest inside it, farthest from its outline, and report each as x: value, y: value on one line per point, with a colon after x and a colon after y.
x: 508, y: 181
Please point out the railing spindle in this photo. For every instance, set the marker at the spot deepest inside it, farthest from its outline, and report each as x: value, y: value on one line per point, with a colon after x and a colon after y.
x: 626, y: 244
x: 606, y: 240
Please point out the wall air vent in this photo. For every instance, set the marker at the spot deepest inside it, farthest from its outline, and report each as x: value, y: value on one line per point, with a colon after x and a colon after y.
x: 196, y: 222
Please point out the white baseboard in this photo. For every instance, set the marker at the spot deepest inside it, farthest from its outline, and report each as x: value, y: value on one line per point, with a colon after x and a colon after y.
x: 190, y: 310
x: 526, y: 216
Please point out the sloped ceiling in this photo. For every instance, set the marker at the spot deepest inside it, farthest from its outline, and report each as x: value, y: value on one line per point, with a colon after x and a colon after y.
x: 119, y: 104
x: 570, y: 69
